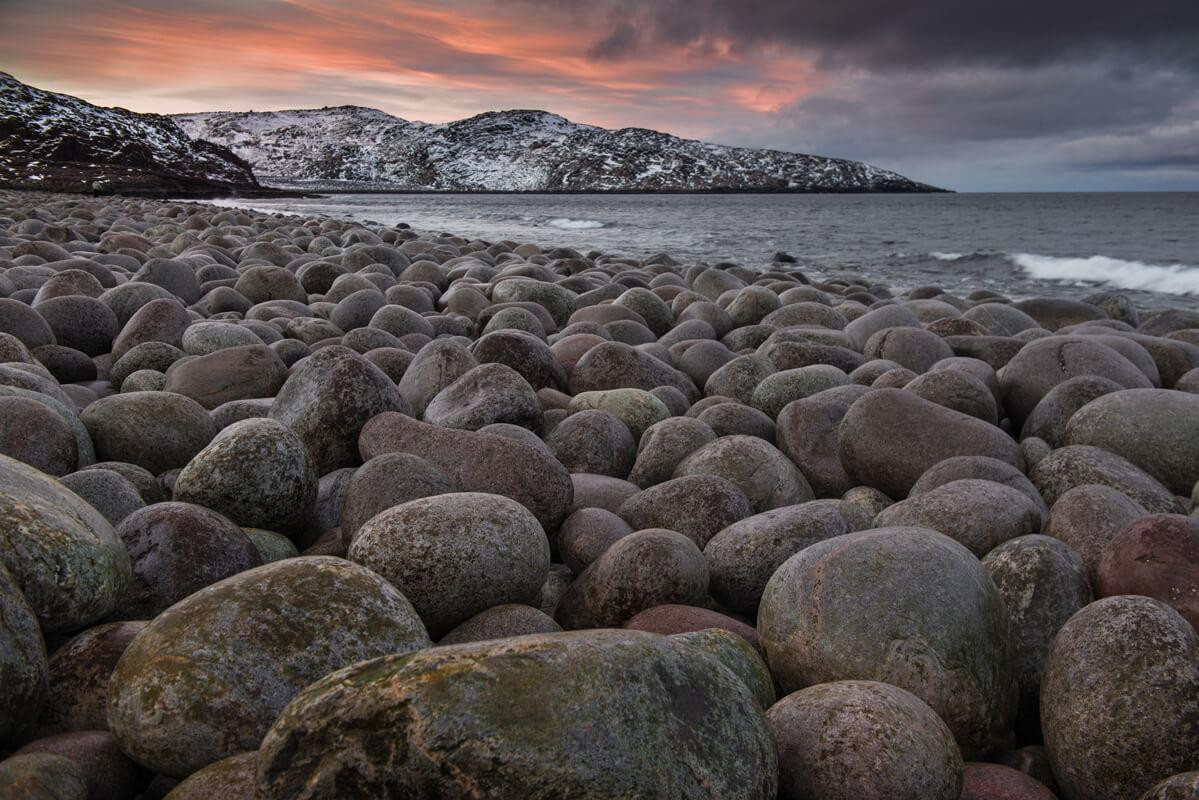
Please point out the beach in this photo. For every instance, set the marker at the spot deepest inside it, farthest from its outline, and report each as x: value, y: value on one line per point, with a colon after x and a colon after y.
x: 306, y: 504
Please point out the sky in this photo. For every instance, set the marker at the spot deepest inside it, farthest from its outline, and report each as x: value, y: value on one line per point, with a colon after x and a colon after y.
x: 974, y: 95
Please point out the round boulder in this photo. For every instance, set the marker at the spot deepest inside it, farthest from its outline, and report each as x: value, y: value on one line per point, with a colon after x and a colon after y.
x: 455, y: 555
x: 251, y: 643
x: 1155, y: 556
x: 155, y: 430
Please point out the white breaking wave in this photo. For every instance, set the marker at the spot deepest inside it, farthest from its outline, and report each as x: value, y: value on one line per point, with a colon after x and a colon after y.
x: 948, y: 256
x: 574, y: 224
x: 1168, y: 278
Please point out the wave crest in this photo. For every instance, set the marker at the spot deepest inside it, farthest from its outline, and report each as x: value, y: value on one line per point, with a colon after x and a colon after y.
x: 1168, y: 278
x: 574, y: 224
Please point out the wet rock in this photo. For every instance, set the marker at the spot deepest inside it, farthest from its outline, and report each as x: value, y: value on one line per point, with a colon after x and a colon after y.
x: 258, y: 474
x: 177, y: 549
x: 629, y: 714
x: 154, y: 430
x: 926, y: 618
x: 853, y: 740
x: 327, y: 401
x: 455, y: 555
x: 264, y: 635
x: 63, y: 554
x: 1119, y: 697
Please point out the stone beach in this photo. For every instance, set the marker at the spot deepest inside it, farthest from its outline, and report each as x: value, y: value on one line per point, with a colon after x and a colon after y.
x: 316, y: 508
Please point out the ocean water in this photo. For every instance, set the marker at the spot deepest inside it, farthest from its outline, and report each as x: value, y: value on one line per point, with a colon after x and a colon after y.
x: 1145, y: 244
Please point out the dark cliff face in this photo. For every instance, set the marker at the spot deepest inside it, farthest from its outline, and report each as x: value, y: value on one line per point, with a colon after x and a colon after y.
x: 56, y: 142
x: 353, y: 147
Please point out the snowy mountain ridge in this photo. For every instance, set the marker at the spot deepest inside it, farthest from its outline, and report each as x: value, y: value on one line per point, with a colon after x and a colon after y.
x: 58, y: 142
x: 520, y: 150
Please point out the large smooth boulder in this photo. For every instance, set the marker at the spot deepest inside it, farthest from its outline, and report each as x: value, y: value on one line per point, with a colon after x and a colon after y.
x: 890, y: 437
x: 236, y: 373
x: 484, y: 395
x: 478, y: 462
x: 742, y: 557
x: 23, y: 665
x: 79, y: 673
x: 454, y: 555
x: 63, y: 554
x: 863, y: 740
x: 177, y: 549
x: 386, y: 481
x: 809, y: 434
x: 256, y: 472
x: 1043, y: 583
x: 1156, y: 556
x: 1120, y: 697
x: 767, y: 477
x: 615, y: 365
x: 905, y: 606
x: 1043, y: 364
x: 980, y: 514
x: 39, y: 776
x: 1077, y: 465
x: 1089, y: 516
x: 33, y: 433
x: 1156, y: 429
x: 664, y: 445
x: 250, y: 644
x: 329, y: 398
x: 585, y: 715
x: 644, y: 569
x: 155, y: 430
x: 696, y: 506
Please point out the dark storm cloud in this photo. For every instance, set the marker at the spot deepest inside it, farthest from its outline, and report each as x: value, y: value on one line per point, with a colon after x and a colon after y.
x: 885, y: 33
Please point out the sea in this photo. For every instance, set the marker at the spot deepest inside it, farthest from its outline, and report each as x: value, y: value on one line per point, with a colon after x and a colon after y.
x: 1022, y: 245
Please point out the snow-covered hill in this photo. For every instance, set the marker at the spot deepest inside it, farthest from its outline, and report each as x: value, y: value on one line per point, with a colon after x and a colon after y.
x: 57, y: 142
x: 355, y: 147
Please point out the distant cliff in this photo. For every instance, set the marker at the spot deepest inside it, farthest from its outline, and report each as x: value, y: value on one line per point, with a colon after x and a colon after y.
x: 354, y: 147
x: 60, y: 143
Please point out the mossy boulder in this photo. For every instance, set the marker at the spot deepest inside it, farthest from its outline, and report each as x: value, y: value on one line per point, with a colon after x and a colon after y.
x: 905, y: 606
x: 590, y: 714
x: 206, y: 678
x: 258, y: 473
x: 63, y: 554
x: 636, y: 408
x: 454, y: 555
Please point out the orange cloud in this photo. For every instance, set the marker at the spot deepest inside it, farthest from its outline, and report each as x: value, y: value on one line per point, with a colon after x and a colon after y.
x: 423, y: 59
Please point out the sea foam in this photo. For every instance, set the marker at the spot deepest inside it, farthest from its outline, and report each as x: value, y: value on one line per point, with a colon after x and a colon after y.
x: 574, y: 224
x: 1169, y: 278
